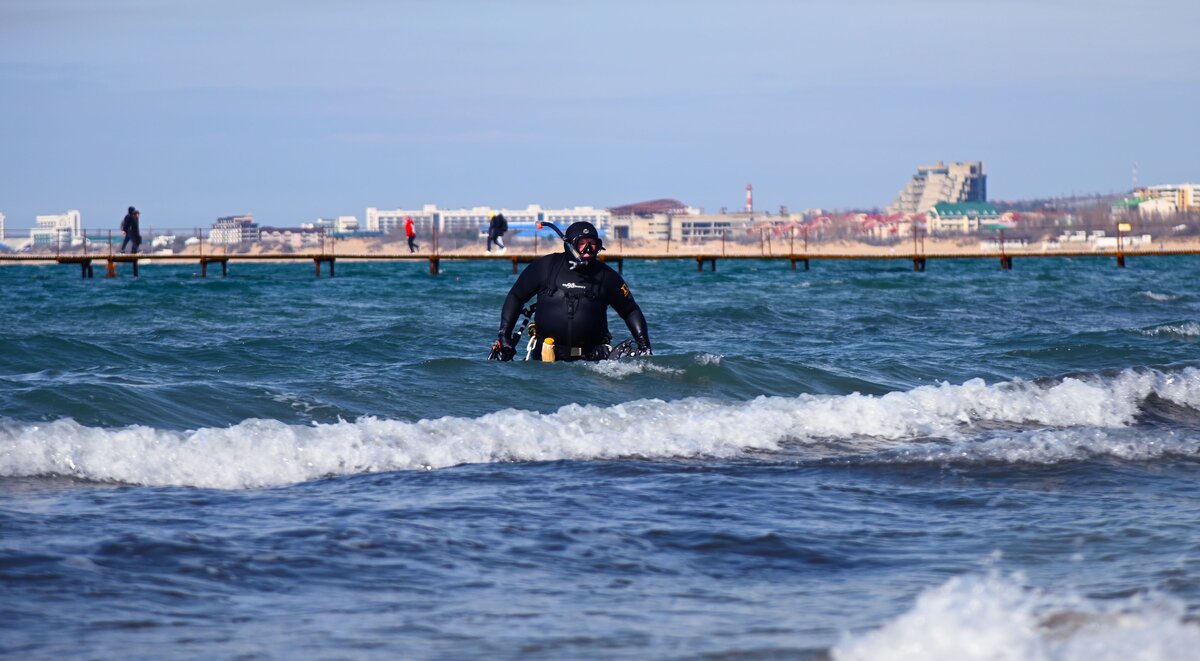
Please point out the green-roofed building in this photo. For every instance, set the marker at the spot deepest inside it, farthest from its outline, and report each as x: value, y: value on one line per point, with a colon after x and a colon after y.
x: 962, y: 217
x: 1129, y: 204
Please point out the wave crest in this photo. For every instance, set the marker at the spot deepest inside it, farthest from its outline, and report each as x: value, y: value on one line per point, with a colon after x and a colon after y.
x: 1074, y: 418
x: 1187, y: 329
x: 994, y: 617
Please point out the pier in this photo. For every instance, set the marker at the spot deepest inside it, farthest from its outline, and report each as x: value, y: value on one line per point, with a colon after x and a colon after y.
x: 323, y: 261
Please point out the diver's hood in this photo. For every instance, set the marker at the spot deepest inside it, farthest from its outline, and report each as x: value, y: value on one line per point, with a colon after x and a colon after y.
x: 586, y: 256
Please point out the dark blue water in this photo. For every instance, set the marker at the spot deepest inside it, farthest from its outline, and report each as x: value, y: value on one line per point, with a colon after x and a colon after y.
x: 857, y: 461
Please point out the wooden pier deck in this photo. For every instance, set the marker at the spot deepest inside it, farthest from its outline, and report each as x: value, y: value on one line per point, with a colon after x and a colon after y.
x: 919, y: 260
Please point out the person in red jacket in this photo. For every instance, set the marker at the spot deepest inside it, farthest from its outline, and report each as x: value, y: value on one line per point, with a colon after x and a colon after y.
x: 410, y: 233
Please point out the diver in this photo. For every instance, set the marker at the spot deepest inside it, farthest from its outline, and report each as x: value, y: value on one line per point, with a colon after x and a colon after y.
x: 574, y: 289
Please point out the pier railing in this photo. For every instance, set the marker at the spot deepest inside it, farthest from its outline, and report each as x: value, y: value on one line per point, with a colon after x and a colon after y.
x: 324, y: 250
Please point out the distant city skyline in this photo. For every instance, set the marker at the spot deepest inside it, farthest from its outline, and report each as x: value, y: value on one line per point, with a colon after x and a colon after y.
x: 294, y: 111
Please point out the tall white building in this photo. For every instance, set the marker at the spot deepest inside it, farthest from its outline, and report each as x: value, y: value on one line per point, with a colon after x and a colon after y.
x: 477, y: 218
x: 58, y: 230
x: 956, y: 182
x: 232, y: 230
x: 1, y: 227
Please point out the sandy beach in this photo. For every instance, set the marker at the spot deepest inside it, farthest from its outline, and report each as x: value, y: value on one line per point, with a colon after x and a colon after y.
x: 776, y: 247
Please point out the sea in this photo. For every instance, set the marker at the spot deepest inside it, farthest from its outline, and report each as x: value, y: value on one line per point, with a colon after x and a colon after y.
x: 856, y: 461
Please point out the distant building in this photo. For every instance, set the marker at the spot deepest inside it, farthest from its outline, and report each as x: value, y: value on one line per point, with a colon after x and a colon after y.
x: 58, y: 230
x: 1167, y: 199
x: 642, y: 226
x: 292, y: 237
x: 691, y: 225
x: 649, y: 208
x: 233, y: 230
x: 392, y: 220
x: 961, y: 217
x: 476, y: 219
x: 1, y: 227
x: 672, y: 219
x: 468, y: 220
x: 339, y: 225
x: 685, y: 227
x: 1125, y: 206
x: 956, y: 182
x: 601, y: 218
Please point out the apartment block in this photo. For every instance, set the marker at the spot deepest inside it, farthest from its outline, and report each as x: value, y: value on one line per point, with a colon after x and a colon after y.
x: 955, y: 182
x: 232, y: 230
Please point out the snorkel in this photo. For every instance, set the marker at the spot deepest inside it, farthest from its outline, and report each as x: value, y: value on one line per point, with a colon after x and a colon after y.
x: 576, y: 258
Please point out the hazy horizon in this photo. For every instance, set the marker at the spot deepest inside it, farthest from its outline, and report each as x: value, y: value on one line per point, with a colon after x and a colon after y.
x: 298, y: 110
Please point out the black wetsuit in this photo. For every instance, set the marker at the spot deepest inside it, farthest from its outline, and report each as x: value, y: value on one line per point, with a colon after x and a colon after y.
x: 572, y: 306
x: 129, y: 225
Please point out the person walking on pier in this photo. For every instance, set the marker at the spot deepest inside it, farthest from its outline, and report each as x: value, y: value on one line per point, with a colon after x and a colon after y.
x: 496, y: 230
x: 410, y: 233
x: 133, y: 234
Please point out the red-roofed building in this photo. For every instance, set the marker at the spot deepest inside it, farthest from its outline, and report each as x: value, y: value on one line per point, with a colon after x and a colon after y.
x: 649, y: 208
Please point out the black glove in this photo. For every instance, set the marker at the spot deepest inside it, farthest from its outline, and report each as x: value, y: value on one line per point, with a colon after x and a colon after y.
x: 644, y: 346
x: 507, y: 351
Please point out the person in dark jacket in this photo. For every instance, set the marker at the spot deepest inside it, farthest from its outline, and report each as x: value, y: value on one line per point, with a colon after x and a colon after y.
x: 496, y: 229
x: 574, y: 290
x: 133, y: 233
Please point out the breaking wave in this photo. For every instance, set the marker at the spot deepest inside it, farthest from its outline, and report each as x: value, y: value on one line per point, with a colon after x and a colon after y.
x: 1155, y: 296
x: 995, y: 617
x: 1073, y: 418
x: 1188, y: 329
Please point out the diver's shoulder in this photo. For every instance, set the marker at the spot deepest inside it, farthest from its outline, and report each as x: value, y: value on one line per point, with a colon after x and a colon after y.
x: 608, y: 271
x: 548, y: 260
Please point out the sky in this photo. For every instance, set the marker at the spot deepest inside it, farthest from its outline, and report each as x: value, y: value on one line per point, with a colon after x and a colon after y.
x: 300, y: 109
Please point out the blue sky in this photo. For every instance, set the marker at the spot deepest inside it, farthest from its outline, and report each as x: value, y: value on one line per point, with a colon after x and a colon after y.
x: 303, y: 109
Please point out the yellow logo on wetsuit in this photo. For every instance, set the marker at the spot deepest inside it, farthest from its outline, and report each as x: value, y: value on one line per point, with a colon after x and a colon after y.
x: 625, y: 289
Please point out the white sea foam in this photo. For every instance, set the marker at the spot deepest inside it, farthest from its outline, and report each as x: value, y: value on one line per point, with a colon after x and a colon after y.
x: 1075, y: 418
x: 619, y: 369
x: 994, y: 617
x: 708, y: 359
x: 1155, y: 296
x: 1052, y: 446
x: 1187, y: 329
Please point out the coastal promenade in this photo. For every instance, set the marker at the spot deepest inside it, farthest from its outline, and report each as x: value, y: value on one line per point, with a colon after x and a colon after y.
x: 326, y: 261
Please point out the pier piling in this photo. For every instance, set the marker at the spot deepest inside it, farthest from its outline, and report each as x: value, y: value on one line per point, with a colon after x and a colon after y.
x: 317, y: 262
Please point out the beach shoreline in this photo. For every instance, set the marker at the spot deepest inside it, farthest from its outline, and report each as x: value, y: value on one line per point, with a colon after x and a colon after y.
x: 775, y: 248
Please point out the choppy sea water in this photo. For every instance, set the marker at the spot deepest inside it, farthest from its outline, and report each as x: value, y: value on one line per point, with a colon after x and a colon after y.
x: 856, y: 462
